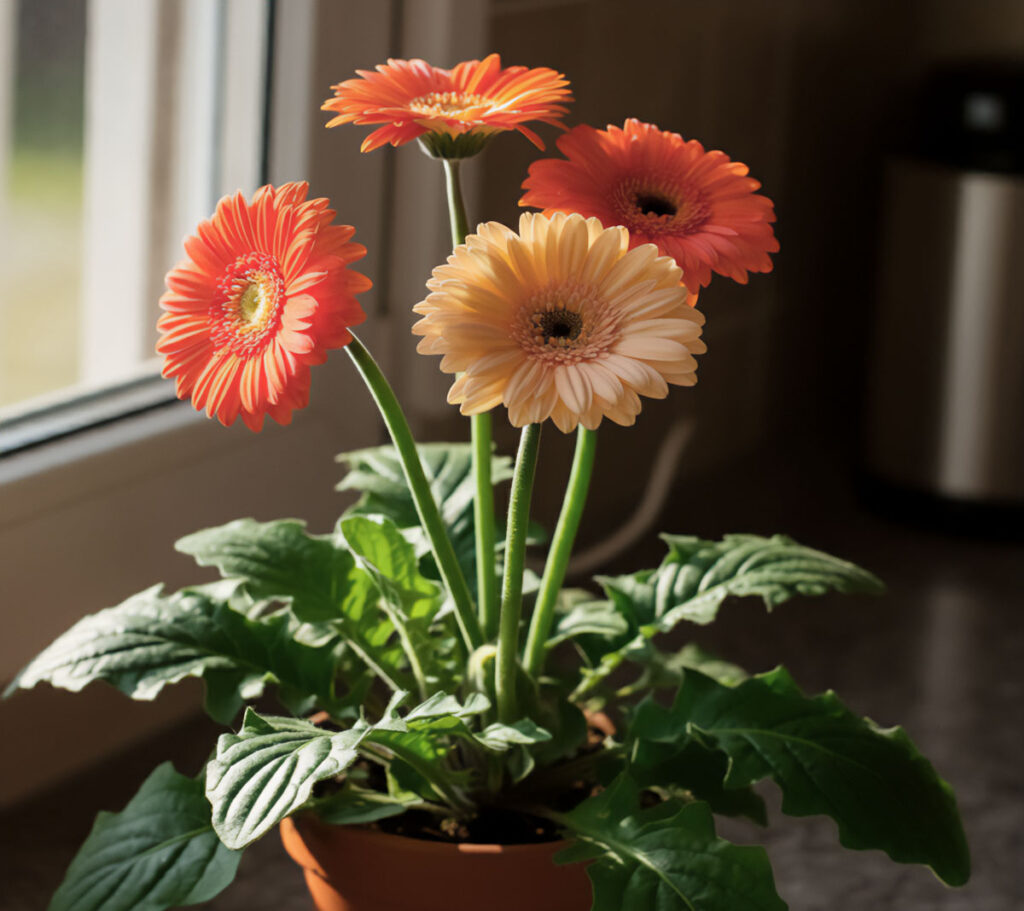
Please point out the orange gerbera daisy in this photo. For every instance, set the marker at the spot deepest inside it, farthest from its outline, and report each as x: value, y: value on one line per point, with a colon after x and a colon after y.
x: 454, y: 111
x: 265, y: 292
x: 560, y: 321
x: 698, y: 207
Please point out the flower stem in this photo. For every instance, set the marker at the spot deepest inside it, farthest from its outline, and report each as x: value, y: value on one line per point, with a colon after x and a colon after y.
x: 483, y: 501
x: 426, y: 507
x: 561, y: 549
x: 512, y: 590
x: 483, y: 521
x: 456, y: 204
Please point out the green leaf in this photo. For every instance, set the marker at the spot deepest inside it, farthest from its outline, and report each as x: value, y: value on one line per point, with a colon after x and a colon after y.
x: 697, y: 576
x: 666, y: 669
x: 874, y: 783
x: 586, y: 616
x: 410, y: 601
x: 226, y: 690
x: 421, y: 742
x: 152, y: 640
x: 666, y: 858
x: 392, y: 564
x: 692, y: 657
x: 548, y: 702
x: 319, y: 578
x: 268, y: 769
x: 159, y: 852
x: 315, y: 573
x: 377, y: 474
x: 500, y: 737
x: 696, y: 772
x: 515, y: 741
x: 441, y: 706
x: 420, y: 768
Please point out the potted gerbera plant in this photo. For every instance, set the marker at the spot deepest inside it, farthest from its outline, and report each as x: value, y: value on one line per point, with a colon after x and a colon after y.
x: 464, y: 734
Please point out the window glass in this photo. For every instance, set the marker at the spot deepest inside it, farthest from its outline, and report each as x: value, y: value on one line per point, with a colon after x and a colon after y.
x: 42, y: 66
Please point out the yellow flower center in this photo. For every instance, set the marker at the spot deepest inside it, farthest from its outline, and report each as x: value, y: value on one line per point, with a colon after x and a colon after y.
x: 253, y: 305
x: 247, y: 309
x: 446, y: 104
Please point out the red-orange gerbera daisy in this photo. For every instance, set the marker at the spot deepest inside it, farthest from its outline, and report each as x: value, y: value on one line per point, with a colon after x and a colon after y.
x: 264, y: 292
x: 455, y: 111
x: 698, y: 207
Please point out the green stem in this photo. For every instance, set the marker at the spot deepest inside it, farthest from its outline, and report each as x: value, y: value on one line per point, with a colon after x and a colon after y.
x: 367, y: 658
x: 512, y: 590
x: 483, y: 502
x: 415, y: 665
x: 561, y: 550
x: 426, y: 507
x: 483, y: 522
x: 456, y: 204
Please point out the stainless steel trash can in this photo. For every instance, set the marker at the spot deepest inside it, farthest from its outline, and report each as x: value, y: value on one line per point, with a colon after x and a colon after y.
x: 945, y: 410
x: 946, y: 391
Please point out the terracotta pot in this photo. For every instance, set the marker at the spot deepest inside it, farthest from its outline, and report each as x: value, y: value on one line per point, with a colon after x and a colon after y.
x: 353, y: 869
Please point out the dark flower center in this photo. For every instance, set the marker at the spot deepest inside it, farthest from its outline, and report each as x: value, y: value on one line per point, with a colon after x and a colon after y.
x: 651, y: 204
x: 559, y: 324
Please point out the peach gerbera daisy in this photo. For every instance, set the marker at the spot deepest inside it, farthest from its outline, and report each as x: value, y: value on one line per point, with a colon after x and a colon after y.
x: 698, y: 207
x: 455, y: 111
x: 560, y: 321
x: 264, y: 292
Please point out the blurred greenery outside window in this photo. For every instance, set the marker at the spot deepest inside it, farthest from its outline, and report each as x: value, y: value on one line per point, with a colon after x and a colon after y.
x: 42, y: 106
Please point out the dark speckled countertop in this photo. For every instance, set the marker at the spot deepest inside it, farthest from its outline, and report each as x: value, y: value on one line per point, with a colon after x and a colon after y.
x: 942, y: 654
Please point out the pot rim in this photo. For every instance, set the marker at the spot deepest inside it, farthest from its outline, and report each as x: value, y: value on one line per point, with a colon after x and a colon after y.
x: 424, y: 845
